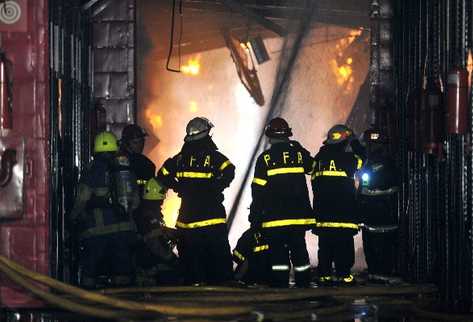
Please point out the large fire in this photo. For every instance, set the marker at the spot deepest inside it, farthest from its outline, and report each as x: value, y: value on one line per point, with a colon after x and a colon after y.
x: 211, y: 88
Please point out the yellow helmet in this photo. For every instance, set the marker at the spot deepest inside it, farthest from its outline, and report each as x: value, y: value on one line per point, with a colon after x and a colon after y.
x: 105, y: 142
x: 154, y: 190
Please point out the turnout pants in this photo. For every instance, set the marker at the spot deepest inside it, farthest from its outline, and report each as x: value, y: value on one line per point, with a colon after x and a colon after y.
x: 205, y: 254
x: 336, y: 247
x: 259, y: 268
x: 288, y: 245
x: 379, y: 248
x: 152, y: 270
x: 109, y: 255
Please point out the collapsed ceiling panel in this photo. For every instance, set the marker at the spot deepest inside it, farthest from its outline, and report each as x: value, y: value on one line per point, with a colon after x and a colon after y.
x: 198, y: 23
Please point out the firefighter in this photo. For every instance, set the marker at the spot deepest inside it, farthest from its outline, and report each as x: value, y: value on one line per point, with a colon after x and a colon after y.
x: 132, y: 143
x: 333, y: 187
x: 156, y: 262
x: 281, y: 205
x: 377, y: 199
x: 251, y: 255
x: 199, y: 173
x: 107, y: 195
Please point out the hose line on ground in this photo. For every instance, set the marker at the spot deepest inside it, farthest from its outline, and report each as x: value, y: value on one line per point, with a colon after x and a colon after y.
x: 123, y: 304
x: 58, y: 301
x: 275, y: 295
x: 176, y: 289
x: 17, y: 272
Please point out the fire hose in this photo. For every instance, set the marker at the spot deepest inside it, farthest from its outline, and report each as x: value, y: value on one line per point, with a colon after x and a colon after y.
x: 18, y: 273
x: 57, y: 300
x: 281, y: 294
x: 126, y: 308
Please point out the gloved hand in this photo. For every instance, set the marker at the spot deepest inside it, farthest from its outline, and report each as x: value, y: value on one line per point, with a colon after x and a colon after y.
x: 357, y: 147
x: 170, y: 234
x: 255, y: 223
x: 160, y: 249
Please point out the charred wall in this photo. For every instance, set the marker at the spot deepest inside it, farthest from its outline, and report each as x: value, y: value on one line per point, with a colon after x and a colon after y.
x: 114, y: 61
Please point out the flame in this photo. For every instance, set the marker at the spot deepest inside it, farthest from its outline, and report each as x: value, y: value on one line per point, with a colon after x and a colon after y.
x: 246, y: 45
x: 193, y: 106
x: 344, y: 71
x: 170, y: 209
x: 469, y: 66
x: 356, y: 32
x: 154, y: 119
x: 353, y: 34
x: 192, y: 67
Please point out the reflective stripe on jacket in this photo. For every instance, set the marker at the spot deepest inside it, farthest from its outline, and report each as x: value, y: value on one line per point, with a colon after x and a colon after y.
x: 199, y: 174
x: 200, y: 224
x: 333, y: 186
x: 279, y: 189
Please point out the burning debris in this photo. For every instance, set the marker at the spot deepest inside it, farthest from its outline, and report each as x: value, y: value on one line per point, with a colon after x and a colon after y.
x: 247, y: 73
x: 342, y: 65
x: 192, y: 67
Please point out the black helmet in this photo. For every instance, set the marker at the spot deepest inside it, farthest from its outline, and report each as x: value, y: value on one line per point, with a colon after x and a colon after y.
x: 337, y: 134
x: 197, y: 128
x: 278, y: 128
x: 132, y: 131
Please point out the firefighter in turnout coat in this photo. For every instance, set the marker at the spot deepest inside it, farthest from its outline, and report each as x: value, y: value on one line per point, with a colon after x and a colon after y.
x: 107, y: 194
x: 199, y: 174
x: 333, y: 185
x: 251, y: 255
x: 132, y: 143
x: 281, y: 206
x: 377, y: 200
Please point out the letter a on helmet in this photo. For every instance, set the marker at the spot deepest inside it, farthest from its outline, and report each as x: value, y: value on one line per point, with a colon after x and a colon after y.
x: 338, y: 133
